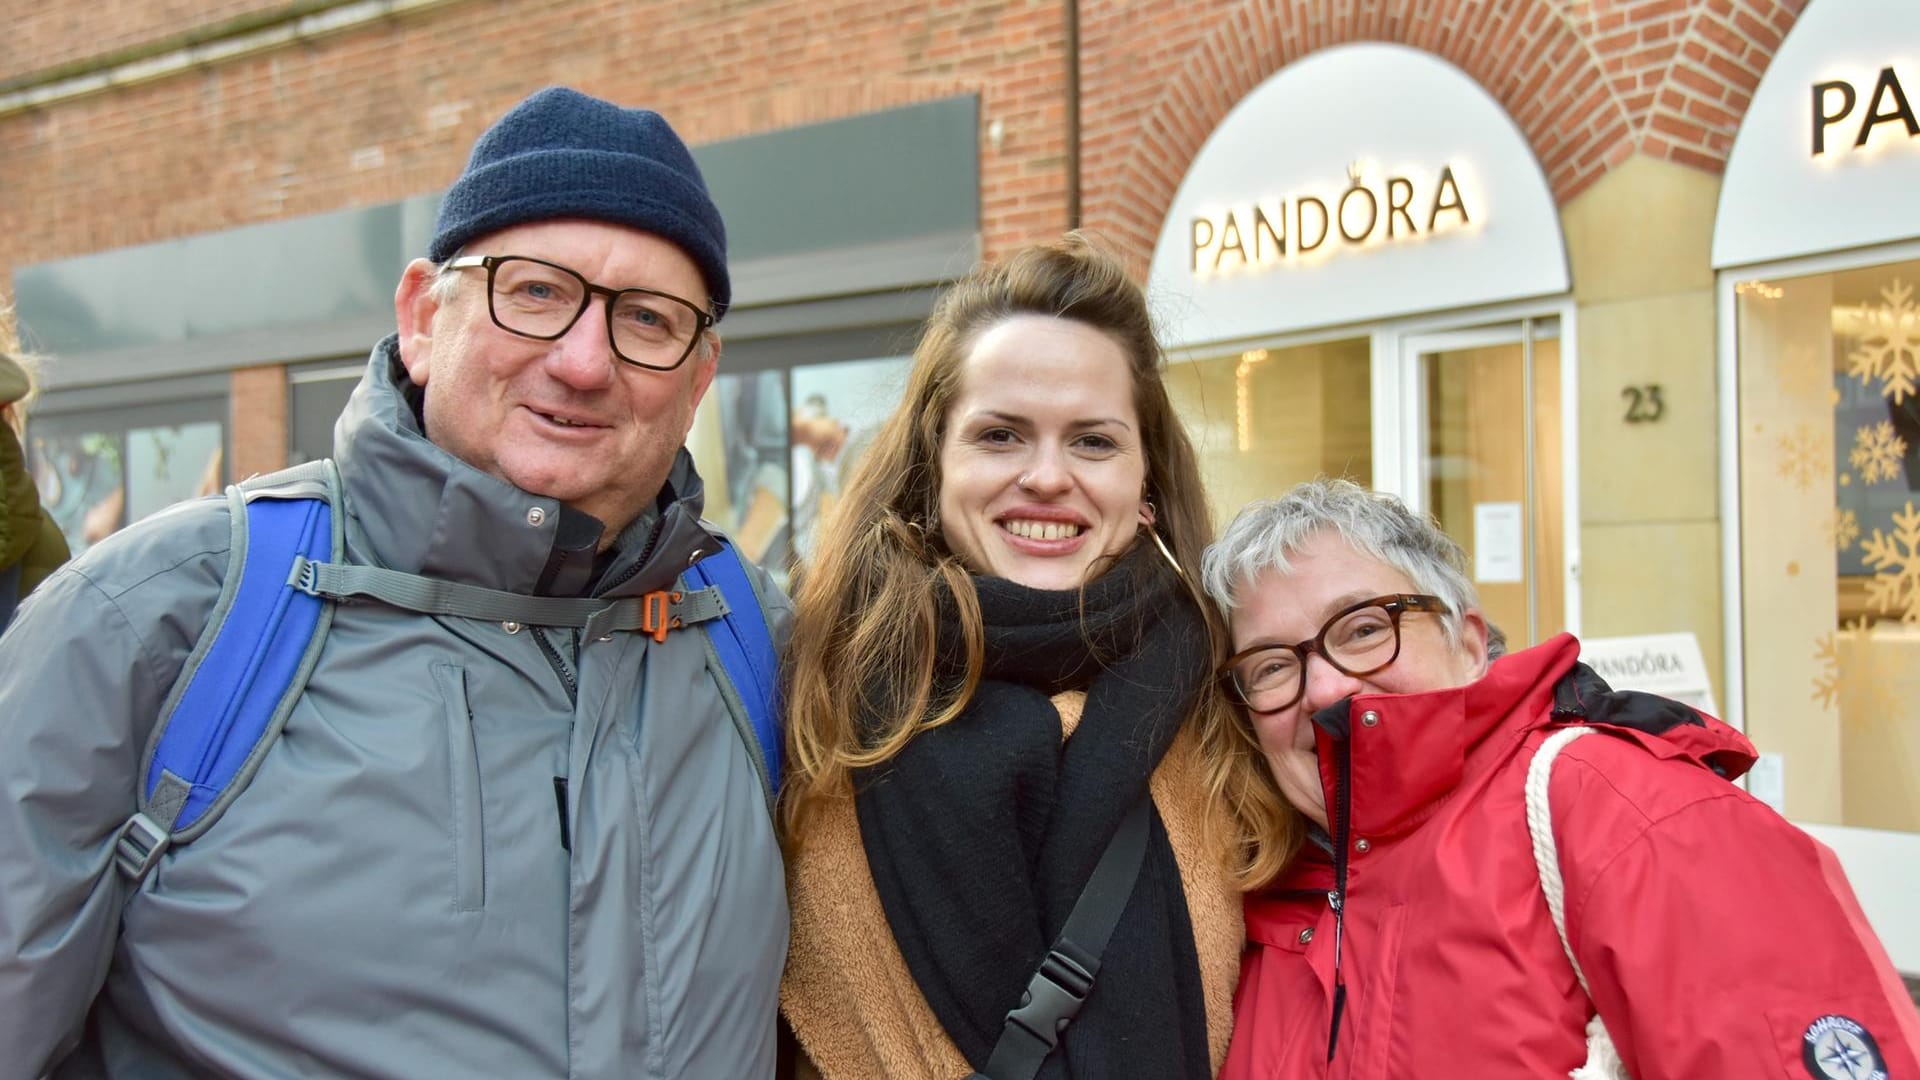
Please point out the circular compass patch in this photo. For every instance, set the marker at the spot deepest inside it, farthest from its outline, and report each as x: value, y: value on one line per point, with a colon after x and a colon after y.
x: 1839, y: 1048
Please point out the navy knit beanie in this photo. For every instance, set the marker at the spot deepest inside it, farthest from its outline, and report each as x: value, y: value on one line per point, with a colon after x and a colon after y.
x: 562, y: 154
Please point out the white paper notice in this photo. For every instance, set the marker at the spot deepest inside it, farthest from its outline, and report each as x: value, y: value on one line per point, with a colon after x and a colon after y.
x: 1498, y: 543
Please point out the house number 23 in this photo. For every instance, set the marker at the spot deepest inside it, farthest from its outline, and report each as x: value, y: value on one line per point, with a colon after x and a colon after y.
x: 1644, y: 404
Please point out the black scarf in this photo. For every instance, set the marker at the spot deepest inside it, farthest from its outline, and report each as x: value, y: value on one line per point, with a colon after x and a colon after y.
x: 981, y: 834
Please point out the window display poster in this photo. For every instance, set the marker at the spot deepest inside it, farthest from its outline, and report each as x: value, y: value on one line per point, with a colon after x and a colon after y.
x: 82, y: 485
x: 837, y: 409
x: 744, y: 465
x: 94, y: 483
x: 166, y: 465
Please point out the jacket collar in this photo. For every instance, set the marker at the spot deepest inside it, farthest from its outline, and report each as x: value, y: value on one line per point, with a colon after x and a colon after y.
x: 418, y: 509
x: 1416, y: 751
x: 1421, y: 748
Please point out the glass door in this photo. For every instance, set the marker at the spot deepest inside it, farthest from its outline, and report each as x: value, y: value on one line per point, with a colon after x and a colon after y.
x: 1483, y: 438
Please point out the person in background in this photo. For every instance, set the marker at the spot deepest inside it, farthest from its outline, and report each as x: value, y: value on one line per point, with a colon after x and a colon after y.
x: 485, y: 846
x: 31, y: 546
x: 998, y: 660
x: 1464, y: 903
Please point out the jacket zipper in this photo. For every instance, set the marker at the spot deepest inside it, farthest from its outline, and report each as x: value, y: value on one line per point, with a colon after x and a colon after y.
x: 560, y: 665
x: 1337, y: 898
x: 639, y: 564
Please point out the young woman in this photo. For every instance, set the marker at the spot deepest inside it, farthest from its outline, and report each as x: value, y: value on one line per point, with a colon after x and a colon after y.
x: 997, y: 654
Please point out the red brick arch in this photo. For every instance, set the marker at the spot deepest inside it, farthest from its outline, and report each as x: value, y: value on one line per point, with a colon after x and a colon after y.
x: 1588, y: 83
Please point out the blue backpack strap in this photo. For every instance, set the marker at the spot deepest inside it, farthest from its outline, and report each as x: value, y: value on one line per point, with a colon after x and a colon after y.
x: 246, y: 670
x: 743, y: 645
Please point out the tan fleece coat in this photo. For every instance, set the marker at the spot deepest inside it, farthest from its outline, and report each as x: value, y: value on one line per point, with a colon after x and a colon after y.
x: 848, y: 994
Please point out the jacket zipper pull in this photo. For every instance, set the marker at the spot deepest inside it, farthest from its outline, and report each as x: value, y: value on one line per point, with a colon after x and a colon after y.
x: 1336, y: 902
x: 560, y: 800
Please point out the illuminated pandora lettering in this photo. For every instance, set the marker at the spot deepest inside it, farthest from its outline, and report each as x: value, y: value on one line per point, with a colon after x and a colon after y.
x: 1269, y: 232
x: 1886, y: 104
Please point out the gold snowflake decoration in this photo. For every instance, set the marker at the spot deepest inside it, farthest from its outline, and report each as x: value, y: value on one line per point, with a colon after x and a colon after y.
x: 1896, y: 588
x: 1826, y: 684
x: 1801, y: 459
x: 1862, y: 701
x: 1889, y: 348
x: 1877, y: 452
x: 1846, y: 529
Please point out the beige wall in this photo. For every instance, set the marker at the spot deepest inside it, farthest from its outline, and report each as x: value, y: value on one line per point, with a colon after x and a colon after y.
x: 1639, y: 241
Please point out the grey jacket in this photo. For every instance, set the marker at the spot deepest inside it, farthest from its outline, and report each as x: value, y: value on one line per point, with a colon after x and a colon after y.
x: 390, y: 895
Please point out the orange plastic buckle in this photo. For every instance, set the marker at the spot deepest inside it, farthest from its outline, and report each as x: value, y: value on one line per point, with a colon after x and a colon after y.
x: 656, y: 617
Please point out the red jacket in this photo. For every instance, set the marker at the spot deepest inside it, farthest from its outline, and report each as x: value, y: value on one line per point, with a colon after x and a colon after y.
x: 1719, y: 940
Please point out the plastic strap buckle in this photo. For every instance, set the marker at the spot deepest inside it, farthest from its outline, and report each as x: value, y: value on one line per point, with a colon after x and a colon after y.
x: 1052, y: 998
x: 139, y: 846
x: 657, y: 613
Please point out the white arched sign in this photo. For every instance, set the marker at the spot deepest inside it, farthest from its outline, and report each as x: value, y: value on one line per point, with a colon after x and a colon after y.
x: 1828, y: 156
x: 1364, y: 182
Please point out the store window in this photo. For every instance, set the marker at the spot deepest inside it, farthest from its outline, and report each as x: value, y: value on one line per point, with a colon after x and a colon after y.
x: 99, y: 469
x: 1263, y: 420
x: 1829, y: 453
x: 316, y: 395
x: 774, y: 448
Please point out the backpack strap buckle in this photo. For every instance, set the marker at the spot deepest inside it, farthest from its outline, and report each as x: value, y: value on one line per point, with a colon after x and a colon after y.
x: 139, y: 846
x: 657, y: 615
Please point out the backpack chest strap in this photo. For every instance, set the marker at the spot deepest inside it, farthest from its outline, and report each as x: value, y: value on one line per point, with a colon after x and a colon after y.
x: 655, y: 613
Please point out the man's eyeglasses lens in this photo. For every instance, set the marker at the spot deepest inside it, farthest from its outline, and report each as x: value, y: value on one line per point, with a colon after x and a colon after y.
x: 541, y: 300
x: 1359, y: 641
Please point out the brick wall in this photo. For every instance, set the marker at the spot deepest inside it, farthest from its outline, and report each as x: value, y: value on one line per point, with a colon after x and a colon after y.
x: 389, y: 110
x: 44, y: 36
x: 257, y: 420
x: 1589, y: 82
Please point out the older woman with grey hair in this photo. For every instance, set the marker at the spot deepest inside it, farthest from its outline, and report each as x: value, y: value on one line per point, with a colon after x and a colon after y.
x: 1462, y: 904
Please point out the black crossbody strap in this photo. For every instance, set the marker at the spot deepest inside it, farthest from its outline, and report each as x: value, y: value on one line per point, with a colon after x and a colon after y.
x: 1064, y: 979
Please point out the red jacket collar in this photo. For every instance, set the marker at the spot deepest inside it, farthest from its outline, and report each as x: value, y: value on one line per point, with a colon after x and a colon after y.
x: 1416, y: 752
x: 1406, y: 764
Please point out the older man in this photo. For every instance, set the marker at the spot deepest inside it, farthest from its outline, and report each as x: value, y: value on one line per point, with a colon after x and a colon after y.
x: 1412, y: 935
x: 482, y: 845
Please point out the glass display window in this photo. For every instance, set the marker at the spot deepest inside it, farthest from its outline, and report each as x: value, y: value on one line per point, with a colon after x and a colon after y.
x: 1829, y: 466
x: 1265, y: 419
x: 775, y: 446
x: 101, y: 469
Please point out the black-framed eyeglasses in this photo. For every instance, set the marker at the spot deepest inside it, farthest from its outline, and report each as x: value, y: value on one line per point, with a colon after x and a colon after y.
x: 541, y: 300
x: 1359, y: 640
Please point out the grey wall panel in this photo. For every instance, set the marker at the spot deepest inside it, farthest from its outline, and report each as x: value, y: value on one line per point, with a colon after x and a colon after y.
x: 851, y: 182
x: 281, y: 275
